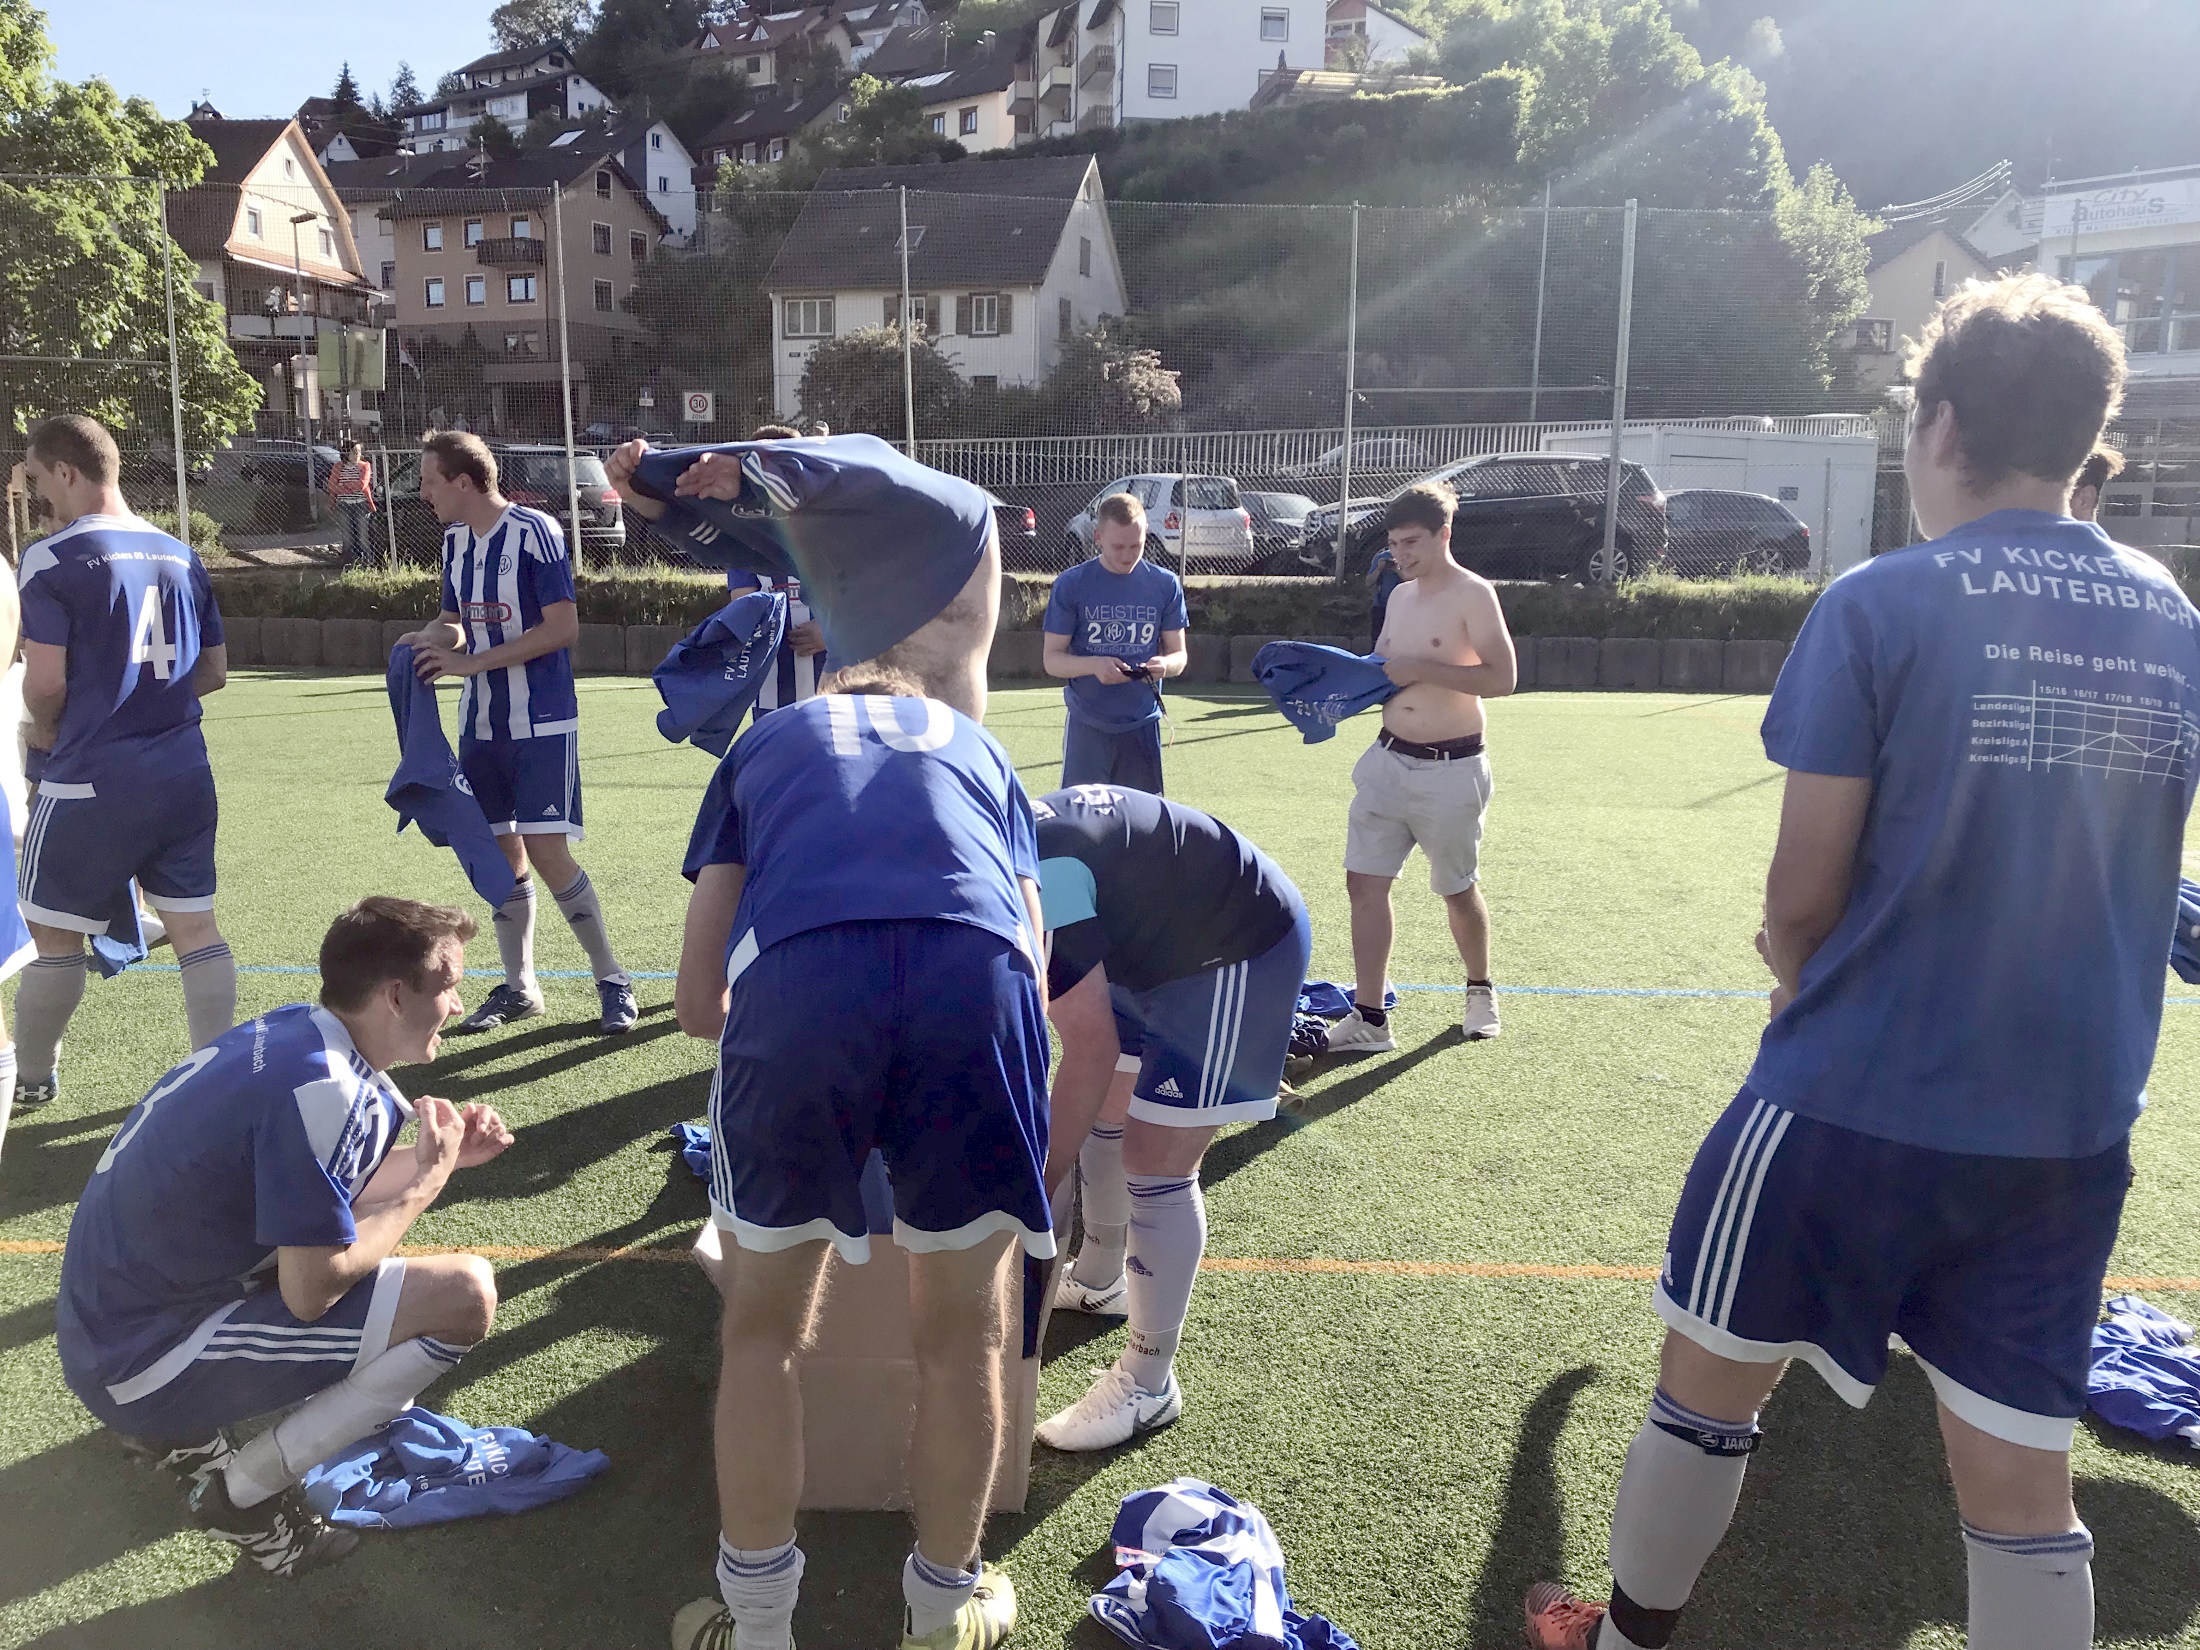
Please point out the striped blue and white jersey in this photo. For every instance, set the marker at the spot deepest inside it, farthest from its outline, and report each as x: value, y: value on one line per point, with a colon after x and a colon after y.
x: 260, y: 1140
x: 498, y: 583
x: 793, y: 678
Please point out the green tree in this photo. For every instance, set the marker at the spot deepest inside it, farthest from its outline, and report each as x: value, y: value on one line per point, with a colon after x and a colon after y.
x: 518, y: 24
x: 885, y: 127
x: 854, y: 383
x: 634, y: 44
x: 83, y: 281
x: 404, y: 89
x: 1102, y: 384
x: 345, y: 96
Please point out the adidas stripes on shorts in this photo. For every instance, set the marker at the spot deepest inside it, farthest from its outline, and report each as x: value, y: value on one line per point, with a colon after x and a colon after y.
x: 1212, y: 1045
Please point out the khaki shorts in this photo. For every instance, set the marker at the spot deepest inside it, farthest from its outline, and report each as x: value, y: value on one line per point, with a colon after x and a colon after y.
x: 1400, y: 801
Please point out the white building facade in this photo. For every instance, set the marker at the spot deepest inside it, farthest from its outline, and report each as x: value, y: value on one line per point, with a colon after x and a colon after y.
x: 1108, y: 62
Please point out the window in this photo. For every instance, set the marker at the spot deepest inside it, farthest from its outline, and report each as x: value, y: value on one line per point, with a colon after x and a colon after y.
x: 205, y: 289
x: 1162, y: 16
x: 967, y: 122
x: 474, y: 232
x: 519, y: 289
x: 431, y: 237
x: 290, y: 167
x: 1275, y: 23
x: 1068, y: 318
x: 1875, y: 337
x: 656, y: 140
x: 477, y: 289
x: 778, y: 150
x: 328, y: 245
x: 1084, y: 254
x: 1161, y: 80
x: 939, y: 123
x: 432, y: 292
x: 809, y: 317
x: 985, y: 383
x: 637, y: 246
x: 664, y: 184
x: 511, y: 343
x: 920, y: 311
x: 603, y: 186
x: 754, y: 65
x: 522, y: 229
x: 253, y: 224
x: 389, y: 276
x: 603, y: 297
x: 599, y: 235
x: 2153, y: 297
x: 985, y: 315
x: 530, y: 343
x: 1940, y: 278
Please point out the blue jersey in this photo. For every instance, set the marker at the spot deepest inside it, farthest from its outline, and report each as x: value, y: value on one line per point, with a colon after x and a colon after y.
x: 260, y: 1140
x: 2025, y: 698
x: 793, y: 677
x: 869, y: 809
x: 134, y: 608
x: 1122, y: 615
x: 498, y: 583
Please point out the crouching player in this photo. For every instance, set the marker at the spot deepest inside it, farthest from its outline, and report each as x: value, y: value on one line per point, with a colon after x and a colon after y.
x: 862, y: 945
x: 234, y: 1252
x: 1176, y: 953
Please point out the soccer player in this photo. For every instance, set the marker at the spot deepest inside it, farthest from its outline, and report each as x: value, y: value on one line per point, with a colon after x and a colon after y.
x: 1990, y: 741
x: 2102, y: 466
x: 507, y: 628
x: 1177, y: 950
x: 795, y: 671
x: 234, y: 1253
x: 862, y: 945
x: 926, y: 601
x: 1426, y: 780
x: 1114, y: 632
x: 121, y: 640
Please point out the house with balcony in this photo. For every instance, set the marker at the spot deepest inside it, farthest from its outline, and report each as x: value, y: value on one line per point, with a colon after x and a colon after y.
x: 509, y: 87
x: 1103, y: 63
x: 1007, y: 258
x: 271, y: 243
x: 1360, y: 34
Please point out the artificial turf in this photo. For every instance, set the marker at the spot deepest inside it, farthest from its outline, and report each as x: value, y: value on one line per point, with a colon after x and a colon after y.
x: 1425, y: 1444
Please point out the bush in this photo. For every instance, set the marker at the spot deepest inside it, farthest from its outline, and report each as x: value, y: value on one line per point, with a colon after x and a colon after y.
x: 206, y: 532
x: 660, y: 598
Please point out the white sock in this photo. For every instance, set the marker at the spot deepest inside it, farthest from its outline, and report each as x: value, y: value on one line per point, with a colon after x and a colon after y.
x: 514, y: 923
x: 7, y: 1089
x: 584, y: 915
x: 209, y: 991
x: 342, y: 1414
x: 935, y: 1596
x: 2030, y: 1592
x: 1168, y: 1234
x: 1676, y: 1499
x: 51, y: 988
x: 1105, y: 1203
x: 760, y: 1587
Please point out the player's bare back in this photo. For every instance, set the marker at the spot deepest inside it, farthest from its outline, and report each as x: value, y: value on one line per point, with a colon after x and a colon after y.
x: 1430, y: 618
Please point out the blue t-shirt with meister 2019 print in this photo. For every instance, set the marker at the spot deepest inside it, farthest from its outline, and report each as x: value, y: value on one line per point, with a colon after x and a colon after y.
x: 1124, y: 616
x: 2024, y: 696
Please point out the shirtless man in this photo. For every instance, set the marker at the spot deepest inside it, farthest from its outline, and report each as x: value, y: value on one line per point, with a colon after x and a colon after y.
x: 1425, y: 779
x: 946, y: 650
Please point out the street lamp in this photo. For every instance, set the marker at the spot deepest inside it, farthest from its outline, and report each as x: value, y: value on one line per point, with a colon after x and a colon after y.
x: 298, y: 276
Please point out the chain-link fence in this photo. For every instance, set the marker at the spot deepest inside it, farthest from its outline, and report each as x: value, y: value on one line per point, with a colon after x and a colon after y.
x: 1263, y: 376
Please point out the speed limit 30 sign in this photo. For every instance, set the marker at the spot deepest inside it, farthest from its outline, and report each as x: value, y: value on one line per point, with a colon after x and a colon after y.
x: 699, y: 406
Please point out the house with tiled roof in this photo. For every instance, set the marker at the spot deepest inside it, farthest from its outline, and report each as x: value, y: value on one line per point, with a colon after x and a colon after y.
x: 511, y: 87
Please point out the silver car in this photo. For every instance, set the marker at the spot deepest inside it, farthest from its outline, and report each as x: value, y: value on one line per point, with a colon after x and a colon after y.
x: 1191, y: 521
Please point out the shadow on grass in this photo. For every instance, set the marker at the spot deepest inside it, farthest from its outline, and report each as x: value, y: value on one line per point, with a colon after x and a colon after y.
x: 1234, y: 1151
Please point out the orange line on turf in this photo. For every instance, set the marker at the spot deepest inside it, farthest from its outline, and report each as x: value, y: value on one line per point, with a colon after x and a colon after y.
x: 584, y: 1254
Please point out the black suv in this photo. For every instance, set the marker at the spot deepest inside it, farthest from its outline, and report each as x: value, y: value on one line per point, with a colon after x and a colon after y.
x: 1524, y: 516
x: 1716, y: 533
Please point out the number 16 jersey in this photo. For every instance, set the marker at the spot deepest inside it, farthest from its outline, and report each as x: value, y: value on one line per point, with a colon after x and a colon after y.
x: 134, y: 608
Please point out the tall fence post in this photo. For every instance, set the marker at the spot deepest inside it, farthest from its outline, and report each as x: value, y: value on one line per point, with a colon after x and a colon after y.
x: 389, y: 499
x: 175, y: 369
x: 1619, y: 389
x: 1542, y: 288
x: 908, y: 343
x: 1351, y: 389
x: 565, y: 376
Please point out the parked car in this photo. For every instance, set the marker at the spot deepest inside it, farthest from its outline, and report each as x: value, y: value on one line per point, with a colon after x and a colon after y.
x: 1523, y: 516
x: 531, y: 475
x: 1191, y: 521
x: 283, y: 464
x: 1715, y: 533
x: 1018, y: 527
x: 1372, y: 455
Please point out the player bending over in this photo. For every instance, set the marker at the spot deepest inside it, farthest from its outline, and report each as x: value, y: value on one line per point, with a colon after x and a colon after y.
x: 508, y: 625
x: 234, y: 1251
x: 1177, y: 949
x: 121, y: 640
x: 1979, y: 819
x: 868, y: 855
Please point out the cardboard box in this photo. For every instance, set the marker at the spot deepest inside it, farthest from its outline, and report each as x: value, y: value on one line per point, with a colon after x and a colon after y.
x: 859, y: 1381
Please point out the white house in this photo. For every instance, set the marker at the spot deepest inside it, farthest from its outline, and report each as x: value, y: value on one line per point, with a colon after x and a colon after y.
x: 1363, y: 35
x: 1006, y: 259
x: 652, y: 154
x: 1913, y: 267
x: 511, y: 87
x: 1103, y: 63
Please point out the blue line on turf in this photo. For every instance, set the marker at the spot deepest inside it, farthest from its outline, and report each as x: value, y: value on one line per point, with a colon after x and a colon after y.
x: 1510, y: 990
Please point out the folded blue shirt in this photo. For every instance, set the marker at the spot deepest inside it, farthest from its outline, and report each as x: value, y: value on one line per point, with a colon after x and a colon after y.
x: 429, y: 791
x: 424, y: 1468
x: 715, y: 672
x: 1317, y: 687
x: 880, y: 542
x: 1332, y: 1001
x: 2145, y: 1374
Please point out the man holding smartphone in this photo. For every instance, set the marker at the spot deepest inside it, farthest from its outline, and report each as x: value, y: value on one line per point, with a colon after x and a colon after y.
x: 1115, y: 631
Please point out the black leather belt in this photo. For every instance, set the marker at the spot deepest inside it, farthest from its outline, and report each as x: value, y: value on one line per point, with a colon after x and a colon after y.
x: 1450, y: 750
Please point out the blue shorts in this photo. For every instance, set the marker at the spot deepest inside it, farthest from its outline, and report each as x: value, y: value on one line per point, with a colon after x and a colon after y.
x: 528, y: 786
x: 1092, y: 756
x: 1211, y: 1046
x: 249, y: 1357
x: 924, y: 1040
x: 1800, y: 1239
x: 86, y: 842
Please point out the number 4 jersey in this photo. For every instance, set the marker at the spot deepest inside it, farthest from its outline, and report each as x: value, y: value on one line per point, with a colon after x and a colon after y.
x: 135, y: 610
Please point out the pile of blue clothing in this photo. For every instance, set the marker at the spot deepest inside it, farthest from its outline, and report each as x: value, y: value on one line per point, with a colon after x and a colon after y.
x: 1321, y: 1001
x: 2145, y: 1375
x: 425, y: 1468
x: 1201, y: 1570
